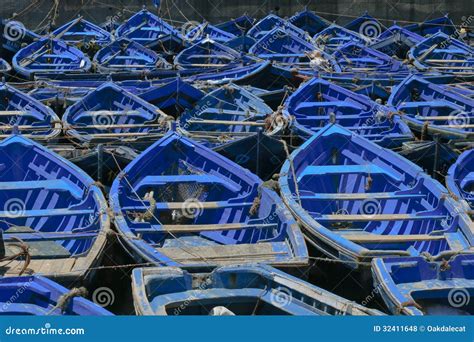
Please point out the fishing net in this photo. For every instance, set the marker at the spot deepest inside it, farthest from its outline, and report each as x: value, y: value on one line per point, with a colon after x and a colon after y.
x: 182, y: 191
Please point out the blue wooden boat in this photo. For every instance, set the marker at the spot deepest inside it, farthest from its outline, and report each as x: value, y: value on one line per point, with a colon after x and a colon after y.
x: 180, y: 203
x: 83, y: 33
x: 429, y: 27
x: 15, y: 35
x: 319, y: 102
x: 366, y: 25
x: 126, y: 55
x: 396, y: 41
x: 353, y: 57
x: 309, y: 22
x: 333, y: 37
x: 207, y: 53
x: 246, y: 290
x: 460, y: 178
x: 464, y: 88
x: 54, y: 219
x: 443, y: 53
x: 419, y: 286
x: 228, y: 113
x: 50, y: 56
x: 289, y: 51
x: 269, y: 23
x: 39, y: 296
x: 239, y: 26
x: 151, y: 31
x: 112, y: 114
x: 173, y: 97
x: 264, y: 75
x: 206, y: 30
x: 431, y: 109
x: 357, y: 200
x: 241, y: 43
x: 21, y: 113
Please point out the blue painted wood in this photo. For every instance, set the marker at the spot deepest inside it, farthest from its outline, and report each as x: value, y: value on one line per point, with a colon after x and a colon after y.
x: 269, y: 23
x: 173, y: 97
x: 429, y: 27
x: 15, y: 36
x: 420, y: 286
x: 241, y: 43
x: 83, y: 32
x: 239, y: 26
x: 335, y: 36
x: 236, y: 109
x: 234, y: 290
x: 36, y: 295
x: 460, y: 177
x: 26, y: 115
x: 433, y: 109
x: 317, y: 103
x: 289, y: 50
x: 443, y: 53
x: 205, y: 30
x: 50, y: 56
x: 112, y: 114
x: 55, y: 207
x: 128, y: 56
x: 180, y: 203
x: 353, y: 57
x: 309, y: 22
x: 357, y: 201
x: 396, y: 41
x: 207, y: 53
x: 366, y: 25
x: 5, y: 67
x: 151, y: 31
